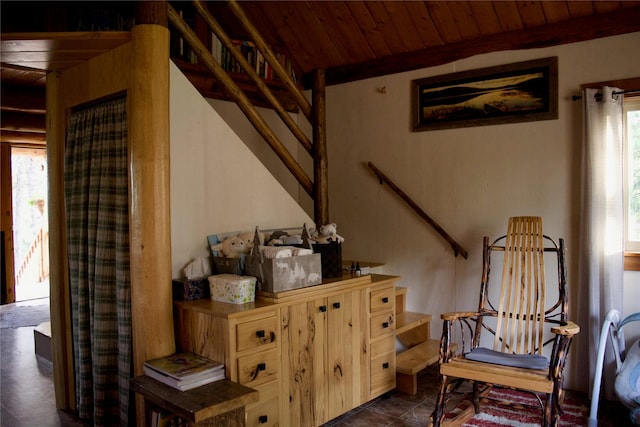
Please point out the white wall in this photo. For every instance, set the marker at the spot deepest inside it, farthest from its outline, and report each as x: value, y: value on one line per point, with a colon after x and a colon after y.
x: 469, y: 180
x: 217, y: 184
x: 233, y: 116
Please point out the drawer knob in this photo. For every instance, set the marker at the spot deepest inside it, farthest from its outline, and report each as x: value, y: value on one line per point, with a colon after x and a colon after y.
x: 336, y: 305
x: 385, y: 325
x: 260, y: 334
x: 262, y: 419
x: 323, y: 308
x: 385, y: 300
x: 385, y: 365
x: 262, y: 366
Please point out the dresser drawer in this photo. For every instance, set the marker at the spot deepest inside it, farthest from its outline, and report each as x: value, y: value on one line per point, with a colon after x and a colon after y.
x: 380, y: 299
x: 260, y: 333
x: 268, y: 391
x: 383, y: 373
x: 258, y: 368
x: 265, y: 412
x: 383, y: 346
x: 382, y: 324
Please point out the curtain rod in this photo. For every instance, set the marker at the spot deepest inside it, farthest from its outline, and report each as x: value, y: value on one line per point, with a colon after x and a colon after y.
x: 598, y: 96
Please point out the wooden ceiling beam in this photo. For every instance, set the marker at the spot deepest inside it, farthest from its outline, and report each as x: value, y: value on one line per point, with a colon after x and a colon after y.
x: 580, y: 29
x: 17, y: 138
x: 23, y: 99
x: 23, y: 122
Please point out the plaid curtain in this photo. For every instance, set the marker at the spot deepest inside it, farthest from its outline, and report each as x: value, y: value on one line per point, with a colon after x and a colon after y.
x: 97, y: 209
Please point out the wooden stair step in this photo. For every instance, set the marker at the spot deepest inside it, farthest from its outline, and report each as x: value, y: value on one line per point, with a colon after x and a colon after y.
x: 418, y: 357
x: 401, y: 299
x: 408, y: 320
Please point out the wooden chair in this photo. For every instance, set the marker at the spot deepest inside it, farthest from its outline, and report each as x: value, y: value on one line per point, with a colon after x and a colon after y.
x: 517, y: 325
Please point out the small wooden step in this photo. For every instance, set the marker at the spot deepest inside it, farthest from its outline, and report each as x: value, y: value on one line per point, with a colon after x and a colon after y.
x: 412, y: 361
x: 412, y: 328
x: 418, y: 357
x: 401, y: 299
x: 408, y: 320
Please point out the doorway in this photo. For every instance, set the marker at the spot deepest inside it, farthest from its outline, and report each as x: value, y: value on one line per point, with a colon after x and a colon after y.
x: 30, y: 222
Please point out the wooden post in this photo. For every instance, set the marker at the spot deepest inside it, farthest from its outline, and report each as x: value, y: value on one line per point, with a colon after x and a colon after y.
x: 59, y: 294
x: 8, y: 272
x: 152, y: 12
x: 320, y: 162
x: 150, y: 222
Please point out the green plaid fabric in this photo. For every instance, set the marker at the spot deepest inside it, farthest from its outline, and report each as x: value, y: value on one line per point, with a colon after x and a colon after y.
x: 97, y: 209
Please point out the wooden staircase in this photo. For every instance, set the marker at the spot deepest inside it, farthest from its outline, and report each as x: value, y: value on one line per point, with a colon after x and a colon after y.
x: 412, y: 330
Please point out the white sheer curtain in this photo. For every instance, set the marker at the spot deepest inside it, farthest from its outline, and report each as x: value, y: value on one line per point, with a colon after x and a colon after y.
x: 601, y: 248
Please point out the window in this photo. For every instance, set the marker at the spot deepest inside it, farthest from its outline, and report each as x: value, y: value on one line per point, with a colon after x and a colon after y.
x: 632, y: 173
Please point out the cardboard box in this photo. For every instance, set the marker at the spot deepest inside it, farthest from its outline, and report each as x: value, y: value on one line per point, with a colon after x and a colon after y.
x: 232, y: 288
x: 190, y: 289
x: 282, y: 274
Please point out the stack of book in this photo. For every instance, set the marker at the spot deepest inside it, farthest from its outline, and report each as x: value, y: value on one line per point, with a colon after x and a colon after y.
x: 184, y: 371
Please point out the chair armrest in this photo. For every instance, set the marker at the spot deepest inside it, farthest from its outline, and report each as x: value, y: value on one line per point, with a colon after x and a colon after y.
x: 569, y: 329
x: 458, y: 315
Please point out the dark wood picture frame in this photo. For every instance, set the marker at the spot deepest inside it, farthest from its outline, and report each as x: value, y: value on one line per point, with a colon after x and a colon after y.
x: 519, y: 92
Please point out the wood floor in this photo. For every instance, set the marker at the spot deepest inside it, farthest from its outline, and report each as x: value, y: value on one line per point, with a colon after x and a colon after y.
x: 27, y: 394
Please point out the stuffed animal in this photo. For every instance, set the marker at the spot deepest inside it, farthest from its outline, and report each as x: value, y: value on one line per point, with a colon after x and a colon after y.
x: 275, y: 238
x: 327, y: 233
x: 232, y: 247
x: 248, y: 237
x: 280, y: 237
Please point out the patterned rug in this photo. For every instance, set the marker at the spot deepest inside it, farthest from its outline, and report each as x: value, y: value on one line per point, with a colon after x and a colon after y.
x: 18, y: 316
x: 576, y: 413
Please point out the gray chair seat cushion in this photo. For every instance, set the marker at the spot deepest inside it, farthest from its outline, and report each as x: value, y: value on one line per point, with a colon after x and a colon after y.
x: 529, y: 361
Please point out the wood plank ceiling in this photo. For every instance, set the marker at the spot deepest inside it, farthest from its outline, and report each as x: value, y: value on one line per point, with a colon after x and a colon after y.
x: 353, y: 40
x: 350, y: 40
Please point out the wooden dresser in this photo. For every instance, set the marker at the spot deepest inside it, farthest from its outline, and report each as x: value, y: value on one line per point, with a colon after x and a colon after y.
x: 312, y: 353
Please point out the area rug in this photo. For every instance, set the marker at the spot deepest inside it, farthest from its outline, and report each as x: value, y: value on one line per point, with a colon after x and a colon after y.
x: 576, y: 413
x: 18, y: 316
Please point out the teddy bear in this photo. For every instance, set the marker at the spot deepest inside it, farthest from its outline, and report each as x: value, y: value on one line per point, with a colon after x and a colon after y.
x: 327, y: 233
x: 232, y: 247
x: 249, y: 236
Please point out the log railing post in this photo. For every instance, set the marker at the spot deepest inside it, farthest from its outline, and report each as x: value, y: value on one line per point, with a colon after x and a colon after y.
x: 320, y: 161
x: 240, y: 99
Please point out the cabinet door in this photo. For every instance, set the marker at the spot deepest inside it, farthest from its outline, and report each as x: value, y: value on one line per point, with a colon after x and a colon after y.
x: 303, y: 360
x: 346, y: 340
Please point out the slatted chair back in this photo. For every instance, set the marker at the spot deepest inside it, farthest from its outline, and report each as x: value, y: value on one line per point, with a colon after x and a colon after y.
x: 516, y: 316
x: 521, y: 310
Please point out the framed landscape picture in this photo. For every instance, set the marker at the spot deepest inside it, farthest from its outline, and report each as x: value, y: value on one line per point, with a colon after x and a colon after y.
x: 519, y: 92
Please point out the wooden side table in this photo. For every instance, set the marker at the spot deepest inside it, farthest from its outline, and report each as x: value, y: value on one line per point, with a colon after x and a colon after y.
x: 218, y: 404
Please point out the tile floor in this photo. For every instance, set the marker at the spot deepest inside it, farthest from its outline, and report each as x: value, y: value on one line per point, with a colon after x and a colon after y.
x: 27, y: 394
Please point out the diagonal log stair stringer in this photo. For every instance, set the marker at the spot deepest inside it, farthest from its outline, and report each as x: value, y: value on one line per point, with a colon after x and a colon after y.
x: 317, y: 188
